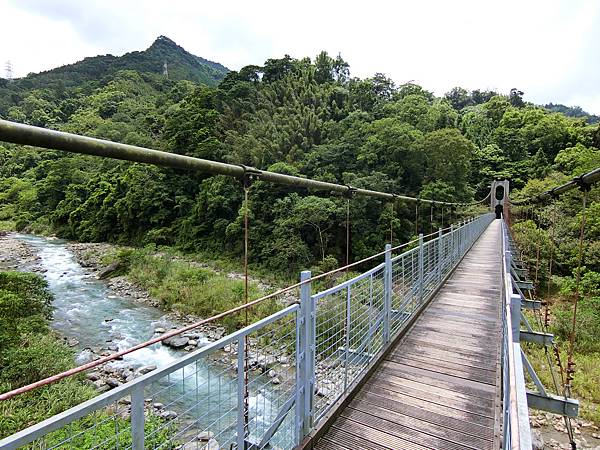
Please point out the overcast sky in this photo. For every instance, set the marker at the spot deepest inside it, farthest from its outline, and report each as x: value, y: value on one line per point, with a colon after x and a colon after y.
x: 548, y: 49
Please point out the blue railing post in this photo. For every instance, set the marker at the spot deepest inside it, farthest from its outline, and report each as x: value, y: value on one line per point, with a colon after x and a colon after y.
x: 452, y: 238
x: 137, y: 418
x: 241, y: 392
x: 440, y: 255
x: 421, y: 264
x: 515, y: 316
x: 305, y: 359
x: 387, y: 298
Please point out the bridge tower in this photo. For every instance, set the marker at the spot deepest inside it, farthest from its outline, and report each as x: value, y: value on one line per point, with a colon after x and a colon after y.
x: 499, y: 197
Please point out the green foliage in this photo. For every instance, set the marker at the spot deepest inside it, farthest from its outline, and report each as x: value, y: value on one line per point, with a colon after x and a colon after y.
x: 304, y: 117
x: 184, y: 287
x: 30, y: 352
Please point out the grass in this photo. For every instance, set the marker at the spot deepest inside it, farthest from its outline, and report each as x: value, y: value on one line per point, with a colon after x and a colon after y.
x: 7, y: 225
x: 180, y: 285
x: 586, y: 381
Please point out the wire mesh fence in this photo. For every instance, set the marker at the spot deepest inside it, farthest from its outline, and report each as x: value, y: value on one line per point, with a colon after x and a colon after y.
x: 268, y: 384
x: 205, y: 400
x: 354, y: 321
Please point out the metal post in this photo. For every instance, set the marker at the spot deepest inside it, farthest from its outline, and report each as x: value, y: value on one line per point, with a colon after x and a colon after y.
x: 452, y: 251
x: 241, y: 425
x: 440, y: 255
x: 515, y: 316
x: 347, y: 337
x: 137, y: 417
x: 305, y: 358
x: 421, y: 262
x: 387, y: 298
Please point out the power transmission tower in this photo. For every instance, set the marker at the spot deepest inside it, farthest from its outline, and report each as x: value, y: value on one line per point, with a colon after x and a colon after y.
x: 165, y: 70
x: 9, y: 70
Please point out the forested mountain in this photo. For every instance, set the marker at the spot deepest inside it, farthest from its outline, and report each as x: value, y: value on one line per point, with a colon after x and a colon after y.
x: 64, y: 85
x: 298, y: 116
x: 573, y: 111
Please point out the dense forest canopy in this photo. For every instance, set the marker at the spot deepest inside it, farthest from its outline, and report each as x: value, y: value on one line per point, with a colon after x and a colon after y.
x: 305, y: 117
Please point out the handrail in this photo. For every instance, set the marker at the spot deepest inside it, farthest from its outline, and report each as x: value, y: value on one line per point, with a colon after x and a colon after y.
x: 516, y: 429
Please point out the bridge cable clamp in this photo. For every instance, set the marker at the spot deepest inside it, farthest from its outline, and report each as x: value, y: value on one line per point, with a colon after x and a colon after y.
x: 583, y: 186
x: 350, y: 192
x: 249, y: 176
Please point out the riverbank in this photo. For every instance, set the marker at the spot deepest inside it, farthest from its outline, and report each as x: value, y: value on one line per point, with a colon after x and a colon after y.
x: 82, y: 267
x: 15, y: 254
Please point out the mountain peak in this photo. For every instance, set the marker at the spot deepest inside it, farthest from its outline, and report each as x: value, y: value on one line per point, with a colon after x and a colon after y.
x: 164, y: 41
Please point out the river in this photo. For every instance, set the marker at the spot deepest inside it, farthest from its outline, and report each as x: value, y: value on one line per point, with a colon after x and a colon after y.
x: 87, y: 312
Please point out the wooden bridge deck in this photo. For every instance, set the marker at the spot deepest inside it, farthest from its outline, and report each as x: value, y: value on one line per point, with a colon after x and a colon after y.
x: 438, y: 388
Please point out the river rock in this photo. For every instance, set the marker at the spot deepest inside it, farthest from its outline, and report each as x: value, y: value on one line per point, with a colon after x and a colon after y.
x: 93, y: 376
x: 212, y: 444
x: 206, y: 436
x: 159, y: 330
x: 113, y: 382
x: 101, y: 386
x: 158, y: 405
x: 176, y: 341
x: 168, y: 415
x: 323, y: 391
x: 111, y: 268
x: 146, y: 369
x: 71, y: 342
x: 276, y: 380
x: 192, y: 342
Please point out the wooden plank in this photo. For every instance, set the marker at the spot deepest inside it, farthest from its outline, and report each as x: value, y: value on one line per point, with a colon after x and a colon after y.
x: 421, y: 426
x: 439, y: 358
x: 447, y: 411
x: 452, y: 422
x: 397, y: 429
x: 434, y: 392
x: 482, y: 353
x: 457, y: 317
x: 350, y: 440
x: 373, y: 435
x: 326, y: 444
x: 458, y: 330
x: 451, y: 401
x: 481, y: 376
x: 434, y: 353
x: 473, y: 344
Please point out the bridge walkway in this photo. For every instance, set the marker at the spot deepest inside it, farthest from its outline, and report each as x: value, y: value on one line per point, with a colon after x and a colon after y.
x: 439, y: 387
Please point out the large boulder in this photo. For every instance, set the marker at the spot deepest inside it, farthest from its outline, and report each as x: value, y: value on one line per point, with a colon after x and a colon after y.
x: 108, y: 270
x: 176, y: 341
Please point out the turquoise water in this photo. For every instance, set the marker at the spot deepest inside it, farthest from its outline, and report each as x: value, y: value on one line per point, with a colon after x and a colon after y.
x: 87, y: 311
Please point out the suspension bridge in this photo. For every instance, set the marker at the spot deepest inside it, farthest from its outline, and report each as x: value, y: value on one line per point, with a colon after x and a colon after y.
x: 422, y: 350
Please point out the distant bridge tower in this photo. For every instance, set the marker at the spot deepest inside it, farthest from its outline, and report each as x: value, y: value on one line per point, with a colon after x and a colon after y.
x: 8, y: 70
x: 499, y: 197
x: 166, y: 70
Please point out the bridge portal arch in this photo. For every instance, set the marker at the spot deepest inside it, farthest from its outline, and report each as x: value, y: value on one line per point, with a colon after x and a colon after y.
x: 498, y: 197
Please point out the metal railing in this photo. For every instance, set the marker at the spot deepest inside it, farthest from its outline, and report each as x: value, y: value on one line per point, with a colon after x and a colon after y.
x: 302, y: 359
x: 515, y: 413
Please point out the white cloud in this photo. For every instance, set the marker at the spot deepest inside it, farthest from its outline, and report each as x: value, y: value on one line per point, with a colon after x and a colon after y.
x: 546, y: 48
